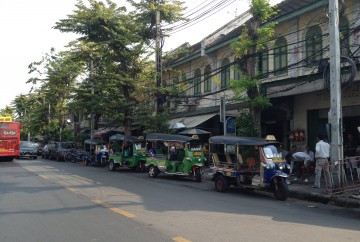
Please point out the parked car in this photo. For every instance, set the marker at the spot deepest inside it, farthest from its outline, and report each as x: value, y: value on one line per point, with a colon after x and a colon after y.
x: 57, y: 150
x: 28, y: 149
x: 39, y: 146
x: 45, y: 151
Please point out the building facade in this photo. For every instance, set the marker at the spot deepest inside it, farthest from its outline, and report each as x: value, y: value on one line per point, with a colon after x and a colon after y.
x: 294, y: 73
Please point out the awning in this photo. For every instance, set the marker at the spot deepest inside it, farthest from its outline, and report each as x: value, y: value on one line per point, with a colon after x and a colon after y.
x: 102, y: 132
x: 193, y: 121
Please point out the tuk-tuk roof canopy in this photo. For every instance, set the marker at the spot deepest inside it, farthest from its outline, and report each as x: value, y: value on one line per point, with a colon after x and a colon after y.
x: 238, y: 140
x: 116, y: 137
x: 167, y: 137
x: 94, y: 141
x: 124, y: 138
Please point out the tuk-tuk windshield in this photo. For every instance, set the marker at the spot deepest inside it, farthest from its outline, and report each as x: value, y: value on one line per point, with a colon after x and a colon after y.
x: 140, y: 146
x: 271, y: 151
x: 194, y: 146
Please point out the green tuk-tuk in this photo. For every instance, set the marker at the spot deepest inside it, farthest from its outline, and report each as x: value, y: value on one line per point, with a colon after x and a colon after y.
x: 127, y: 151
x: 173, y: 154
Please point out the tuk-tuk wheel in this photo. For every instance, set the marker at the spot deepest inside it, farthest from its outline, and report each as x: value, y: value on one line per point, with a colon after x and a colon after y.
x: 221, y: 184
x: 112, y: 166
x: 281, y: 190
x: 153, y: 171
x: 198, y: 175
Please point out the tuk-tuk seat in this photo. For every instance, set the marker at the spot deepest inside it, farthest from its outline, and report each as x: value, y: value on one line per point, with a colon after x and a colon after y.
x: 216, y: 159
x: 239, y: 159
x: 230, y: 160
x: 251, y: 162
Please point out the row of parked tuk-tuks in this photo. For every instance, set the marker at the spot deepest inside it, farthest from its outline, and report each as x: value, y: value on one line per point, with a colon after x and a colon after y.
x: 246, y: 162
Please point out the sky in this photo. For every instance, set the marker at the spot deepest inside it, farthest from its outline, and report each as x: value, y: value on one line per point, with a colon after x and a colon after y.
x: 28, y: 34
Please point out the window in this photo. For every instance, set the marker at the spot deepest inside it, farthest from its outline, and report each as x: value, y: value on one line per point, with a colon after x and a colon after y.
x: 313, y: 42
x: 225, y: 73
x: 175, y: 86
x: 197, y: 81
x: 183, y: 84
x: 263, y: 63
x: 237, y: 71
x: 344, y: 36
x: 280, y: 56
x: 207, y: 78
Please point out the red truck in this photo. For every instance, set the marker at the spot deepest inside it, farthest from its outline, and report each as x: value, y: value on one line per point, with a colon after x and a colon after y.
x: 9, y: 139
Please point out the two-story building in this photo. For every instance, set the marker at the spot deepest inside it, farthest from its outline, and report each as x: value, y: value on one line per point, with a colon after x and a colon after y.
x: 294, y: 74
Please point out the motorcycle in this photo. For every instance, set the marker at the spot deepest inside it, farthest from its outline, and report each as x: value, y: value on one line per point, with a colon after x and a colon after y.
x: 248, y: 162
x: 76, y: 155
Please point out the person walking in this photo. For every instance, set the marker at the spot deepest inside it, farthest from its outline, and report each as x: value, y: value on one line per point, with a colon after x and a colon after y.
x: 322, y: 154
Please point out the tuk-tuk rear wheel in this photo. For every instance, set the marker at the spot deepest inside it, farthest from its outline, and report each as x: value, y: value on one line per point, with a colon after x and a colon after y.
x: 112, y: 166
x: 221, y: 184
x: 153, y: 171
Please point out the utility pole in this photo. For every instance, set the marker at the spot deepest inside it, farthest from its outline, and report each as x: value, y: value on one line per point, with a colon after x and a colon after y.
x: 158, y: 107
x: 92, y: 96
x: 336, y: 146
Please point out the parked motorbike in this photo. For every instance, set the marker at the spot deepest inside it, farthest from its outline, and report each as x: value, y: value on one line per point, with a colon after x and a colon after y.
x: 75, y: 155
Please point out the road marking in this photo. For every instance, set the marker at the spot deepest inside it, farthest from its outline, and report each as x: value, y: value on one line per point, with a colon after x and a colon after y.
x: 71, y: 189
x: 116, y: 210
x: 44, y: 177
x: 180, y: 239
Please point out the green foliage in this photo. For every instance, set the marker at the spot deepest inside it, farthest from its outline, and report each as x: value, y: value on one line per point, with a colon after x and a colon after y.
x: 261, y: 10
x: 256, y: 34
x: 246, y: 125
x: 156, y: 124
x: 7, y: 112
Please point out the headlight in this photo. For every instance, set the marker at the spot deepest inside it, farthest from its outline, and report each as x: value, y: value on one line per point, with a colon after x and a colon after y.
x: 281, y: 166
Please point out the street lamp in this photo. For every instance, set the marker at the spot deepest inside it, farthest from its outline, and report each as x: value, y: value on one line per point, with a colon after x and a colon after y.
x: 68, y: 121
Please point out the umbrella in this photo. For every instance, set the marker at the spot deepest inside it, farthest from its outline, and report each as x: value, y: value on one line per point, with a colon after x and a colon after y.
x: 177, y: 126
x: 194, y: 131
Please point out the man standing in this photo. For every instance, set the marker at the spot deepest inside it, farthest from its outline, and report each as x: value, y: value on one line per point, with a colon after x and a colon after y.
x: 322, y: 154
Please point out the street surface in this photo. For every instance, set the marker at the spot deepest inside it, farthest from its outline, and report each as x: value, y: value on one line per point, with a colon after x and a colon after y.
x: 45, y: 200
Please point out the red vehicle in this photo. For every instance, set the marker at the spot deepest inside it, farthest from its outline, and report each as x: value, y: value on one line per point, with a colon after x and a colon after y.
x: 9, y: 139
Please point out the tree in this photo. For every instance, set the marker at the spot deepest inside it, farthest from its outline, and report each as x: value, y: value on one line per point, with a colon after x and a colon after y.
x: 7, y: 111
x: 256, y: 33
x: 114, y: 43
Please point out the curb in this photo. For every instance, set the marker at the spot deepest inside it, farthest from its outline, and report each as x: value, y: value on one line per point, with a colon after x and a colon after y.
x: 325, y: 199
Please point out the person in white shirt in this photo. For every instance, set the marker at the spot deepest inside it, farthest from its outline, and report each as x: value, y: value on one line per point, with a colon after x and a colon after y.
x: 322, y: 154
x: 300, y: 160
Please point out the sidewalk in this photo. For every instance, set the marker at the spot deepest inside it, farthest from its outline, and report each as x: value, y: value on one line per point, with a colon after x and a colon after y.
x: 300, y: 189
x: 303, y: 190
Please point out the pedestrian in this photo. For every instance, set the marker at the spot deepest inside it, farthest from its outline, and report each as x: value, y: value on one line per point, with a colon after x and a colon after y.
x: 300, y: 160
x: 290, y: 160
x: 310, y: 153
x: 350, y: 153
x: 322, y: 154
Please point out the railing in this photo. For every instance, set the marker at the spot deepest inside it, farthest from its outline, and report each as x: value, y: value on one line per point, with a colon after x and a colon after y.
x: 344, y: 175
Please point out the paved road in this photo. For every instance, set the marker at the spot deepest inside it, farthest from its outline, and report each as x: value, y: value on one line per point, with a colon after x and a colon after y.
x: 139, y: 208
